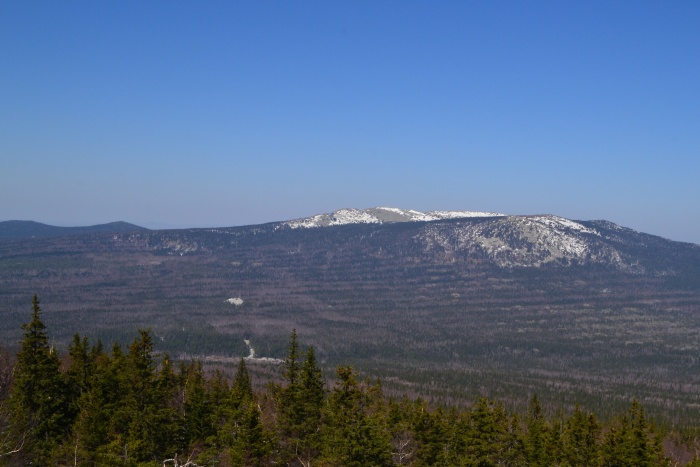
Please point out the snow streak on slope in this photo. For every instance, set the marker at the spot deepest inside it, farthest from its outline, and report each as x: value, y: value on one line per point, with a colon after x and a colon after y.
x: 380, y: 215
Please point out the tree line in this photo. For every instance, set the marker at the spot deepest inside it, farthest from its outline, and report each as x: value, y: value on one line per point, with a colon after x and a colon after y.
x: 131, y: 407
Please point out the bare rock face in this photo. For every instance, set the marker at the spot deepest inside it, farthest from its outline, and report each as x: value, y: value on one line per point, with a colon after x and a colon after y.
x: 527, y: 241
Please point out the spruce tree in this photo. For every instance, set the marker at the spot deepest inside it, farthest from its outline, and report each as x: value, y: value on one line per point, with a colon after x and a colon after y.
x: 290, y: 416
x: 291, y: 361
x: 485, y: 437
x: 241, y: 435
x: 197, y: 407
x: 299, y: 403
x: 614, y: 447
x: 643, y: 444
x: 40, y: 408
x: 580, y: 440
x: 403, y: 443
x: 94, y: 423
x: 79, y: 374
x: 140, y: 422
x: 242, y: 388
x: 289, y: 402
x: 355, y: 434
x: 311, y: 394
x: 537, y: 438
x: 169, y: 411
x: 432, y: 436
x: 514, y: 449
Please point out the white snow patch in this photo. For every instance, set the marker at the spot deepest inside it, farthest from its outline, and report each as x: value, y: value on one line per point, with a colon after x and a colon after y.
x: 462, y: 214
x: 396, y: 210
x: 380, y: 215
x: 250, y: 349
x: 560, y: 222
x: 251, y: 355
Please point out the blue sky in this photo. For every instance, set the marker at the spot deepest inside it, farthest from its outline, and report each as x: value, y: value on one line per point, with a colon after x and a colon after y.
x: 188, y: 114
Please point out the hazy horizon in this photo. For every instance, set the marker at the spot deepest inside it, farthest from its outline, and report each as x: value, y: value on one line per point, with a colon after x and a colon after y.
x: 164, y: 226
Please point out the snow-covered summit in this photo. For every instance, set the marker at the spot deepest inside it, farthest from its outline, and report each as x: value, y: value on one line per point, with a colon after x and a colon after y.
x: 380, y: 215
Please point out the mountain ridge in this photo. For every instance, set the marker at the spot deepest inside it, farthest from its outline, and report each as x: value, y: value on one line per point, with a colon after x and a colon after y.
x: 28, y: 229
x: 343, y: 216
x: 380, y: 215
x: 506, y: 241
x: 595, y: 307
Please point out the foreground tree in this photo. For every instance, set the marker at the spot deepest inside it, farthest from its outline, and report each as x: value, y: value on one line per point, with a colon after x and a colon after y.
x: 537, y: 438
x: 299, y: 404
x: 242, y: 437
x: 311, y: 397
x: 432, y: 433
x: 581, y: 439
x: 486, y: 437
x: 129, y: 408
x: 38, y: 396
x: 355, y: 434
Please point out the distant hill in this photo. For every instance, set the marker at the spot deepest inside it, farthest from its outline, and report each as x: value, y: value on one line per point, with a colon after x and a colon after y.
x: 29, y: 229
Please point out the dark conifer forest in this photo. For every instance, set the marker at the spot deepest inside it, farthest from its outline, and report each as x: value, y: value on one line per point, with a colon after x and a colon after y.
x: 133, y: 406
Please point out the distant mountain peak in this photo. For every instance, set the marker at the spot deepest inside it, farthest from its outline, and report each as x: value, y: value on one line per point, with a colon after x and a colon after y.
x: 380, y: 215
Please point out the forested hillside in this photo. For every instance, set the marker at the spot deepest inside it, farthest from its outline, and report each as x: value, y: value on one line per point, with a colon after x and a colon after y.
x: 135, y: 407
x: 427, y: 305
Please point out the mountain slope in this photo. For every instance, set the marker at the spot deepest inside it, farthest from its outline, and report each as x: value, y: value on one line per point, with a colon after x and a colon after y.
x: 462, y: 237
x: 502, y: 306
x: 534, y: 241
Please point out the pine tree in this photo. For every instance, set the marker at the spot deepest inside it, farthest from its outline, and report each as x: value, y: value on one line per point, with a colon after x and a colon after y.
x: 299, y: 403
x: 140, y: 420
x: 430, y: 433
x: 403, y: 442
x: 485, y: 436
x: 40, y: 408
x: 169, y: 410
x: 614, y: 447
x: 242, y: 388
x: 537, y: 437
x: 355, y: 434
x: 643, y: 445
x: 197, y: 407
x: 580, y: 440
x: 250, y: 444
x: 309, y: 402
x: 514, y: 449
x: 631, y: 440
x: 555, y: 441
x: 218, y: 393
x: 289, y: 402
x: 79, y: 374
x: 241, y: 433
x: 91, y: 431
x: 219, y: 400
x: 141, y: 405
x: 291, y: 361
x: 289, y: 412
